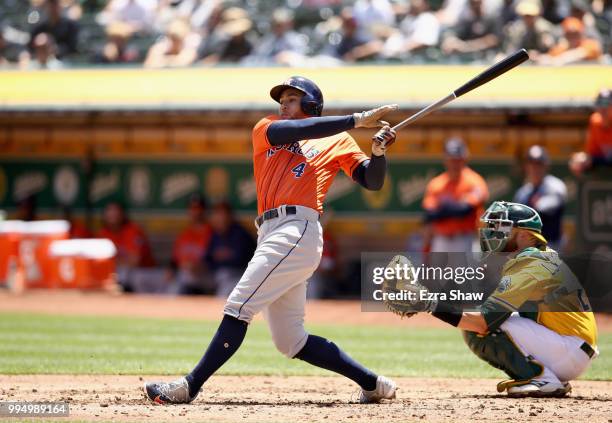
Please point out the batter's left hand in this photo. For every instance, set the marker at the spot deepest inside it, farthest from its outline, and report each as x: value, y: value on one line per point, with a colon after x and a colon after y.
x: 382, y: 140
x: 373, y: 118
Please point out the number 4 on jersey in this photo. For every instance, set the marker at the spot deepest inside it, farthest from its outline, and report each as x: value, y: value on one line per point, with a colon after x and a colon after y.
x: 298, y: 171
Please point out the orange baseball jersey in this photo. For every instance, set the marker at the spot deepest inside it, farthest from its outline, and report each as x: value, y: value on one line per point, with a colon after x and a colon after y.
x: 300, y: 173
x: 191, y: 244
x: 130, y: 239
x: 471, y: 188
x: 599, y: 140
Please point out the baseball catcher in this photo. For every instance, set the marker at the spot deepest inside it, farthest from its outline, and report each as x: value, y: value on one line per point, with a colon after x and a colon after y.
x: 541, y: 349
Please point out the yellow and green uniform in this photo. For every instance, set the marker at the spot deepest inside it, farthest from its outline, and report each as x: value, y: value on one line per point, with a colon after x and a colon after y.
x: 539, y: 286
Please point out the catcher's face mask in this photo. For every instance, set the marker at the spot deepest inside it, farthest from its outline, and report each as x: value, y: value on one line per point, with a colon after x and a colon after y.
x: 497, y: 228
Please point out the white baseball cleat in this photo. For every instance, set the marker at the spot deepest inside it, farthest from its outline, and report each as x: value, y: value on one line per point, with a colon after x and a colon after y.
x: 385, y: 389
x: 540, y: 389
x: 176, y: 392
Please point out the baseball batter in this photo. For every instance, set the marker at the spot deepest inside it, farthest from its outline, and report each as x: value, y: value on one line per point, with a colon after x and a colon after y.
x: 296, y: 155
x: 537, y: 326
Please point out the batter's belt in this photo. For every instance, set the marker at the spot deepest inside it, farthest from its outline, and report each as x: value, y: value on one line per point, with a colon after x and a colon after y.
x: 301, y: 211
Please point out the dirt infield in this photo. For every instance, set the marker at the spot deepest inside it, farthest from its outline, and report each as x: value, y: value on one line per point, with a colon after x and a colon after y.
x: 306, y: 399
x: 280, y: 399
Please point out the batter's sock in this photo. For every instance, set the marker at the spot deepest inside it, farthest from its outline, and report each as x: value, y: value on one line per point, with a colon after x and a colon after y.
x: 224, y: 344
x: 323, y: 353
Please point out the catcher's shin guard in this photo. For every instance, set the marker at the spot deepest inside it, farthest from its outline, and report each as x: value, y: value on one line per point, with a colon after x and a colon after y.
x: 499, y: 351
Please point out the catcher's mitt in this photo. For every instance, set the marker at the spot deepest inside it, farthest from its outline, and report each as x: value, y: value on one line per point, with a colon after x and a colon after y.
x: 402, y: 293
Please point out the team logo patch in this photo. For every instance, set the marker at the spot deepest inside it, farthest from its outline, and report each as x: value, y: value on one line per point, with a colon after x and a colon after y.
x: 504, y: 284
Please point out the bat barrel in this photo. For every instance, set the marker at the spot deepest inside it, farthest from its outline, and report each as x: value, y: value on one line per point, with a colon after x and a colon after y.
x: 493, y: 72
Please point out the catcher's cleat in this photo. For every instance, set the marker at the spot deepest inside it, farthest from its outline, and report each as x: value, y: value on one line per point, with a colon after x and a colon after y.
x: 540, y: 389
x: 385, y: 389
x: 176, y: 392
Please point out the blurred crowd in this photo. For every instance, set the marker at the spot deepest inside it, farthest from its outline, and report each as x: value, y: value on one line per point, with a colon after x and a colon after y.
x: 51, y: 34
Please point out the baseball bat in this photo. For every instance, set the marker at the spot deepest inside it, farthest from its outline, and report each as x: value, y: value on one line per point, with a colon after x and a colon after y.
x: 490, y: 73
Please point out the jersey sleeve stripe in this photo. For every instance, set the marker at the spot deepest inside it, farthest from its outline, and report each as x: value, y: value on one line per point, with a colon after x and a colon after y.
x: 503, y: 303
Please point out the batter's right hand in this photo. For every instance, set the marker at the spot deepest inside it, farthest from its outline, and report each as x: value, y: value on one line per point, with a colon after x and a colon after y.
x: 371, y: 118
x: 382, y: 140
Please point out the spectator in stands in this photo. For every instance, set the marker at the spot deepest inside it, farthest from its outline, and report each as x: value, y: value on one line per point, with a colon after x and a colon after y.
x: 598, y: 150
x: 475, y: 35
x: 355, y: 43
x: 581, y: 10
x: 27, y: 209
x: 450, y: 12
x: 602, y: 13
x: 453, y: 202
x: 138, y: 14
x: 4, y: 61
x: 190, y: 247
x: 117, y: 50
x: 282, y: 45
x: 4, y: 47
x: 573, y: 47
x: 229, y: 42
x: 531, y: 32
x: 133, y: 250
x: 77, y: 228
x: 420, y: 30
x: 43, y: 56
x: 546, y: 193
x: 554, y: 11
x: 179, y: 47
x: 230, y: 249
x: 168, y: 11
x: 368, y: 13
x: 508, y: 13
x: 206, y: 15
x: 62, y: 30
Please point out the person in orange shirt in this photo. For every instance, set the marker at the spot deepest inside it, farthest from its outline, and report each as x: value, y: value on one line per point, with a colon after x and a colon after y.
x: 133, y: 250
x: 190, y: 247
x: 599, y: 138
x: 573, y: 47
x: 296, y: 155
x: 78, y: 230
x: 453, y: 202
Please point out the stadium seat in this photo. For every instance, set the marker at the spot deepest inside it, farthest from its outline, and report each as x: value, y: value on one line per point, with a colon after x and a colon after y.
x: 29, y: 140
x: 522, y: 138
x: 109, y: 140
x: 187, y: 139
x: 68, y: 141
x: 486, y: 142
x: 410, y: 141
x: 235, y: 140
x: 148, y: 140
x: 562, y: 142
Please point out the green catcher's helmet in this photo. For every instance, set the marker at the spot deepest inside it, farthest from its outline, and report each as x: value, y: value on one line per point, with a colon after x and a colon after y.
x: 501, y: 217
